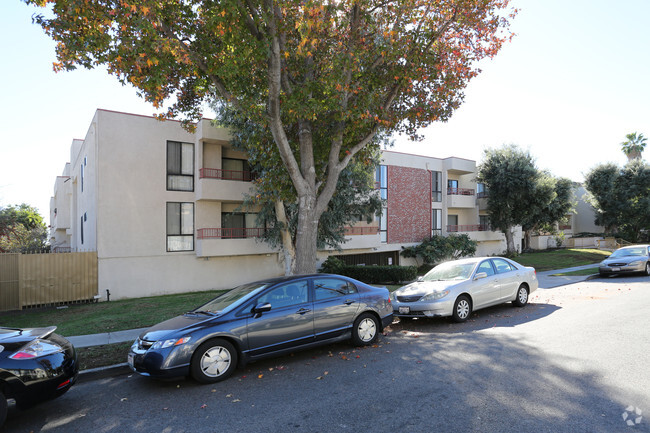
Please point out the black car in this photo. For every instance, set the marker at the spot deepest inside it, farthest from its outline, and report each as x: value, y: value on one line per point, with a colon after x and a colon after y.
x: 35, y: 365
x: 262, y: 319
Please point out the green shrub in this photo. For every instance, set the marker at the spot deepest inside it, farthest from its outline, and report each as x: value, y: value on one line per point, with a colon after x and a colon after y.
x: 332, y: 265
x: 379, y: 274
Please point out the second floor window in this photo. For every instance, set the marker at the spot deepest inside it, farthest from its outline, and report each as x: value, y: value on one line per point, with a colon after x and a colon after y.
x: 436, y: 186
x: 180, y: 166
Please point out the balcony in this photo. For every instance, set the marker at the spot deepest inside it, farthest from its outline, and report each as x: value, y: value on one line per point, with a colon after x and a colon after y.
x: 461, y: 198
x: 212, y: 242
x: 361, y: 238
x: 477, y: 232
x: 224, y: 185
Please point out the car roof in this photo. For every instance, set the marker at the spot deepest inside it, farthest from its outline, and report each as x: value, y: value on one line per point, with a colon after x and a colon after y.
x: 283, y: 279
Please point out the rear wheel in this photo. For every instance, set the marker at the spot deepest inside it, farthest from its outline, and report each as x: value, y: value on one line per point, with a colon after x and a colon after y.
x: 213, y: 361
x: 462, y: 308
x: 365, y: 330
x: 647, y: 268
x: 522, y: 296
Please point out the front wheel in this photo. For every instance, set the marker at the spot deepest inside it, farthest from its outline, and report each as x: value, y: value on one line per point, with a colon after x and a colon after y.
x: 365, y: 330
x: 647, y: 268
x: 213, y: 361
x: 522, y: 296
x: 462, y: 309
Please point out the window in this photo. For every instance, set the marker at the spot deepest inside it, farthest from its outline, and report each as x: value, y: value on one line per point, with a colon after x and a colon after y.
x: 239, y: 225
x: 452, y: 223
x: 235, y: 169
x: 452, y: 186
x: 327, y: 288
x: 502, y: 266
x: 436, y: 186
x: 436, y: 222
x: 484, y: 223
x: 381, y: 178
x: 180, y: 226
x: 481, y: 191
x: 286, y: 295
x: 180, y: 166
x: 486, y: 267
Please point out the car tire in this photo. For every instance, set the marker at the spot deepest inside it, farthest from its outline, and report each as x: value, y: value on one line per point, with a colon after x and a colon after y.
x: 365, y: 330
x: 3, y: 409
x: 462, y: 309
x: 213, y: 361
x: 647, y: 268
x: 521, y: 299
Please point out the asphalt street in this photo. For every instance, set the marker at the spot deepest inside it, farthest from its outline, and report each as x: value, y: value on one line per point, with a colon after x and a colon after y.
x: 574, y: 360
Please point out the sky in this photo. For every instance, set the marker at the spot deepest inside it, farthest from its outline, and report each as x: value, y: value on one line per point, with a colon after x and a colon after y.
x: 568, y: 88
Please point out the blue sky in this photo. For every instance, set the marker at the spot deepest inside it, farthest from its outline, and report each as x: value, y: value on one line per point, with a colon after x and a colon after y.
x: 568, y: 88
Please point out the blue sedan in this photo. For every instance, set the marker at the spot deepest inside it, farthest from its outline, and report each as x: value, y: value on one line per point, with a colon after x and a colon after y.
x: 259, y: 320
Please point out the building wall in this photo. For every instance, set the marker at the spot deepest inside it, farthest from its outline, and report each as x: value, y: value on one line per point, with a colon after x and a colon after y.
x: 409, y: 204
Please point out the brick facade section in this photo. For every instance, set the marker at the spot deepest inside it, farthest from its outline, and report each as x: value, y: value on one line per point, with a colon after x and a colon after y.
x: 409, y: 204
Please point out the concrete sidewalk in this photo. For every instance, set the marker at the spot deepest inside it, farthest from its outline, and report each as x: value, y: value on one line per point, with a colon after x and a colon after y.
x: 548, y: 281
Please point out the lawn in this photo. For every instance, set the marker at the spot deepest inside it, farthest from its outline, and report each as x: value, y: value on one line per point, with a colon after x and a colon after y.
x: 560, y: 259
x: 108, y: 316
x: 582, y: 272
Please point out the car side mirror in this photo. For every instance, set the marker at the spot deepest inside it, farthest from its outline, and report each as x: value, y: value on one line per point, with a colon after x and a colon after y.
x: 480, y: 275
x: 261, y: 308
x: 420, y: 278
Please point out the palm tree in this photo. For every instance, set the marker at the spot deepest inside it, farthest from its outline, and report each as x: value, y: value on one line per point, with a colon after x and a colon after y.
x: 634, y: 145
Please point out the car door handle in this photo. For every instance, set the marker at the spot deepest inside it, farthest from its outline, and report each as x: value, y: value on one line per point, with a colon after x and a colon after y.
x: 303, y: 311
x: 349, y: 301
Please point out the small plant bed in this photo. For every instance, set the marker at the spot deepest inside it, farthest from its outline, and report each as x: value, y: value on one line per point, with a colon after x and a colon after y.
x: 560, y: 259
x: 102, y: 356
x: 582, y: 272
x: 108, y: 316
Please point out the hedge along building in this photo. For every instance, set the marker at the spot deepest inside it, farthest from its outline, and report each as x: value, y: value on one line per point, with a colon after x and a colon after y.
x: 161, y: 206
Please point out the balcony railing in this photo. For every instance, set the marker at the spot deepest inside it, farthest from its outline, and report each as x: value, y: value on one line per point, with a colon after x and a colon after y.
x: 218, y: 173
x: 230, y: 233
x: 355, y: 231
x: 460, y: 191
x: 468, y: 228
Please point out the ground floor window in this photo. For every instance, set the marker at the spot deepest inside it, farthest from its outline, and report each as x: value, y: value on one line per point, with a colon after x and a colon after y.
x: 180, y: 226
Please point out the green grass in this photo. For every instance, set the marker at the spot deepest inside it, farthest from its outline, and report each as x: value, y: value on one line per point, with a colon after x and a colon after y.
x: 588, y: 271
x: 560, y: 259
x: 101, y: 356
x: 108, y: 316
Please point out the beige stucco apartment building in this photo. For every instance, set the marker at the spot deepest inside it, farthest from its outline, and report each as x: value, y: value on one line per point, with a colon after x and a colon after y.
x: 161, y: 207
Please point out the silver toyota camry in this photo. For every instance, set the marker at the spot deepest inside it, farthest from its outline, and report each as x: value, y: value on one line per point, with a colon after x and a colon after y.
x: 459, y: 287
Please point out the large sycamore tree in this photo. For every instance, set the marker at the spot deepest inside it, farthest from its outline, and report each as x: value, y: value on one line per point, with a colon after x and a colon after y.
x: 324, y: 77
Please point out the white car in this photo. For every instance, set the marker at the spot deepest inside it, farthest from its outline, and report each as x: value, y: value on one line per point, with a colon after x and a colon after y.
x: 459, y: 287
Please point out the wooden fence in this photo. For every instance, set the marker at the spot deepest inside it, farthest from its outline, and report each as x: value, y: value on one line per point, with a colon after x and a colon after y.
x: 29, y: 280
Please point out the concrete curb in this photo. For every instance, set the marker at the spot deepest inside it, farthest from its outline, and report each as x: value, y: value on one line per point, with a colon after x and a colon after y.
x: 103, y: 372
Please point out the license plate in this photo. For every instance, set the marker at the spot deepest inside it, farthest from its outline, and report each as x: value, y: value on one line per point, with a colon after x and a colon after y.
x: 404, y: 310
x: 616, y: 269
x: 130, y: 359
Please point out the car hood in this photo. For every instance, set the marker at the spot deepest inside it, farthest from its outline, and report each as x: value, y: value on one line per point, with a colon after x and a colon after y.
x: 175, y: 324
x: 623, y: 260
x: 425, y: 287
x: 15, y: 335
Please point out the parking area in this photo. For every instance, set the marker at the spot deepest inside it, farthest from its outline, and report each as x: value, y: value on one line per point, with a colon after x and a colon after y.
x: 574, y: 359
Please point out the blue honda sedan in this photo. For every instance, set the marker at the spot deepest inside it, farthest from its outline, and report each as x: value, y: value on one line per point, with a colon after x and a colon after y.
x: 259, y: 320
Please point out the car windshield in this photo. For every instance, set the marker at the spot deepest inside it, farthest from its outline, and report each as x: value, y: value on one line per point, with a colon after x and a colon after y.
x: 450, y: 271
x: 230, y: 298
x: 626, y: 252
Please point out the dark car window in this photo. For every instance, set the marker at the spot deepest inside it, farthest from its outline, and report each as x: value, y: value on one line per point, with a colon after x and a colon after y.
x: 286, y: 295
x: 502, y: 266
x: 486, y: 267
x: 325, y: 288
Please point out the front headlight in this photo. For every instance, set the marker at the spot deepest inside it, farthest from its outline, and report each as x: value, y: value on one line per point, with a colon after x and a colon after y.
x: 435, y: 295
x: 37, y: 348
x: 636, y: 263
x: 163, y: 344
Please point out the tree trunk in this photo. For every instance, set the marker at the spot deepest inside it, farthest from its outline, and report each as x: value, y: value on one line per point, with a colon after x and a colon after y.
x: 288, y: 249
x: 306, y: 236
x: 528, y: 235
x: 510, y: 242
